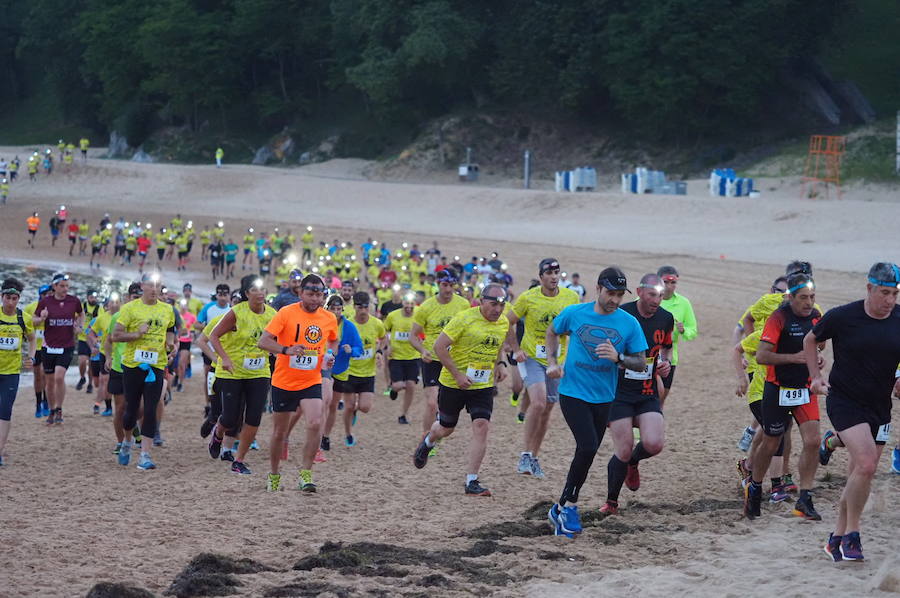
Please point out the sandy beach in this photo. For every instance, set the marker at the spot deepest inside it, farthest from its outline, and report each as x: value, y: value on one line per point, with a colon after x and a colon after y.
x: 73, y: 518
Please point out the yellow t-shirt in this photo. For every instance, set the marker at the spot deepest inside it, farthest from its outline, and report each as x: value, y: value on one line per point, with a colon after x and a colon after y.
x: 12, y: 340
x: 397, y: 325
x: 538, y: 312
x: 308, y: 240
x: 475, y: 345
x: 28, y: 313
x: 750, y: 344
x: 151, y: 347
x: 249, y: 360
x: 100, y: 325
x: 432, y: 316
x: 364, y: 365
x: 90, y: 312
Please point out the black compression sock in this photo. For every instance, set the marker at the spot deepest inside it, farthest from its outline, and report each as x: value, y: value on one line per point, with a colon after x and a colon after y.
x: 617, y: 470
x: 804, y: 494
x: 638, y: 454
x: 108, y: 403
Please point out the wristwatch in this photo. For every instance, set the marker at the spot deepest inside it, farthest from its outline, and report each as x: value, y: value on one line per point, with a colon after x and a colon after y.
x: 284, y: 350
x: 621, y: 357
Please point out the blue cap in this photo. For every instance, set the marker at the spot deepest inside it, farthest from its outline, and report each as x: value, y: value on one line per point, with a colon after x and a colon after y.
x: 43, y: 289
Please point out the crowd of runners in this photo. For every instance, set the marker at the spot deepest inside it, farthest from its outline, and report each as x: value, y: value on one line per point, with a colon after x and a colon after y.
x: 339, y: 317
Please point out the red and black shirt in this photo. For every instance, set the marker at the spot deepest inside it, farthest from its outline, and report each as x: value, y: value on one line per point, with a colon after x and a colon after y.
x: 657, y: 330
x: 785, y: 331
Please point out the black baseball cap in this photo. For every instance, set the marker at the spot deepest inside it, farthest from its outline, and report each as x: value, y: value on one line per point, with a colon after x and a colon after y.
x: 361, y: 299
x: 613, y: 279
x: 548, y: 263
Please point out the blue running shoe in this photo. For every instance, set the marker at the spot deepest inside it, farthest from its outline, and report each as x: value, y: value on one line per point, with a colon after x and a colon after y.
x: 45, y: 409
x: 124, y: 453
x: 824, y: 450
x: 895, y: 461
x: 350, y: 440
x: 38, y: 412
x: 851, y: 547
x: 833, y: 548
x: 569, y: 520
x: 144, y: 463
x: 107, y: 413
x: 254, y: 446
x: 554, y: 516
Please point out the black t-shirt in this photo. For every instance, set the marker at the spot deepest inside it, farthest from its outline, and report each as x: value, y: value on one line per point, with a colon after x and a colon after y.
x: 658, y: 332
x: 866, y: 354
x: 785, y: 330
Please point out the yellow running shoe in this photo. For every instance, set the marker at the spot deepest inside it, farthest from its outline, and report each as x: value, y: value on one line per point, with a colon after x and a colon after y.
x: 305, y: 482
x: 274, y: 482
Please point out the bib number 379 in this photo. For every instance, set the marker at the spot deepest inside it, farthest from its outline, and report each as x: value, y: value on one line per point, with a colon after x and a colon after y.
x: 305, y: 361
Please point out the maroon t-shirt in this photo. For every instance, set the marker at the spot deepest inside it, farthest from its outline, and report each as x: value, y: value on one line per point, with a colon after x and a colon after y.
x: 59, y: 327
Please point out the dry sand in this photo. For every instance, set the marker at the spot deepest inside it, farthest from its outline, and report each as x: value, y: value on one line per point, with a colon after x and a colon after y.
x: 72, y: 517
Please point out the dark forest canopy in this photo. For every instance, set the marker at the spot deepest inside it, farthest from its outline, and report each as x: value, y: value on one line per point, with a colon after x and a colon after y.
x: 662, y: 64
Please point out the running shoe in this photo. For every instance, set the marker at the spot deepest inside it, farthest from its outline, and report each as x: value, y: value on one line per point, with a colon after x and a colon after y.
x: 804, y: 508
x: 514, y: 400
x: 206, y: 427
x: 824, y: 451
x: 341, y: 405
x: 788, y: 481
x: 118, y: 448
x: 45, y: 409
x: 833, y: 548
x: 895, y: 460
x: 325, y: 443
x: 536, y: 470
x: 473, y: 488
x: 305, y: 482
x: 136, y: 433
x: 96, y: 409
x: 227, y: 456
x: 393, y: 394
x: 420, y: 457
x: 742, y: 469
x: 387, y: 391
x: 610, y: 507
x: 107, y: 412
x: 851, y: 547
x: 80, y: 384
x: 254, y: 446
x: 570, y: 520
x: 778, y: 494
x: 215, y: 445
x: 746, y: 439
x: 38, y: 412
x: 434, y: 451
x: 633, y: 478
x: 158, y: 440
x: 520, y: 418
x: 89, y: 389
x: 124, y: 453
x: 239, y: 467
x: 167, y: 398
x: 59, y: 418
x: 273, y: 482
x: 524, y: 466
x: 402, y: 420
x: 320, y: 457
x: 554, y: 516
x: 752, y: 500
x: 51, y: 417
x: 350, y: 440
x: 145, y: 463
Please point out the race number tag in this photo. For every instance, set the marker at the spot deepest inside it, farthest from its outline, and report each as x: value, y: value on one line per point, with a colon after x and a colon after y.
x: 401, y: 336
x: 793, y: 397
x: 210, y: 380
x: 366, y: 354
x: 39, y: 334
x: 479, y: 374
x: 54, y: 350
x: 142, y: 356
x: 308, y: 360
x: 883, y: 434
x: 254, y: 363
x: 540, y: 351
x: 644, y: 374
x: 9, y: 343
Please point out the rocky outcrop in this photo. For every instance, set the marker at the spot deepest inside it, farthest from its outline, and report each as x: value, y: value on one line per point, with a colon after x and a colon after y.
x: 118, y: 146
x: 279, y: 149
x: 141, y: 156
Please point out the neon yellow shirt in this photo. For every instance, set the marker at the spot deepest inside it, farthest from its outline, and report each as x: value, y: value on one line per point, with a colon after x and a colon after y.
x: 28, y: 313
x: 370, y: 332
x: 475, y: 345
x: 249, y: 360
x: 398, y: 325
x: 432, y: 316
x: 12, y: 341
x: 538, y: 312
x: 750, y: 344
x: 151, y: 347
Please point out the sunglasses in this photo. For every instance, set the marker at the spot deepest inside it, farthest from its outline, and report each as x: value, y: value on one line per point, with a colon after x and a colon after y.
x: 365, y: 305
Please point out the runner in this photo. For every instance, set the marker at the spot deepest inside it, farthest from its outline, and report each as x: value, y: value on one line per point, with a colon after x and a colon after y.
x: 685, y: 322
x: 538, y: 306
x: 15, y: 332
x: 97, y: 328
x: 403, y: 359
x: 428, y: 323
x: 786, y: 394
x: 472, y: 366
x: 113, y: 352
x: 356, y: 386
x: 91, y: 308
x: 72, y: 232
x: 242, y: 370
x: 34, y: 223
x: 147, y: 327
x: 865, y: 338
x: 605, y: 339
x: 292, y: 293
x: 61, y: 314
x: 185, y: 338
x: 350, y: 346
x: 637, y: 394
x: 304, y: 337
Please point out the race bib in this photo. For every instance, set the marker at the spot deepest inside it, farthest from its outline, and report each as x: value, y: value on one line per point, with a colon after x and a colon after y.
x: 540, y: 351
x: 644, y: 374
x: 254, y: 363
x: 54, y: 350
x: 142, y: 356
x: 401, y: 336
x: 479, y: 374
x: 793, y: 397
x: 210, y: 380
x: 39, y: 333
x: 9, y: 343
x: 366, y: 354
x: 883, y: 434
x: 308, y: 360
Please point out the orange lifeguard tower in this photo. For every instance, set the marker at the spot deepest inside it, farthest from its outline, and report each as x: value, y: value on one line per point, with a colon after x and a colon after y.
x: 823, y: 163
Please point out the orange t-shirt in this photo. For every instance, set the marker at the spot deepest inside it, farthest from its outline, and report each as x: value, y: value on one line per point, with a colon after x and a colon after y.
x: 293, y: 325
x: 33, y: 222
